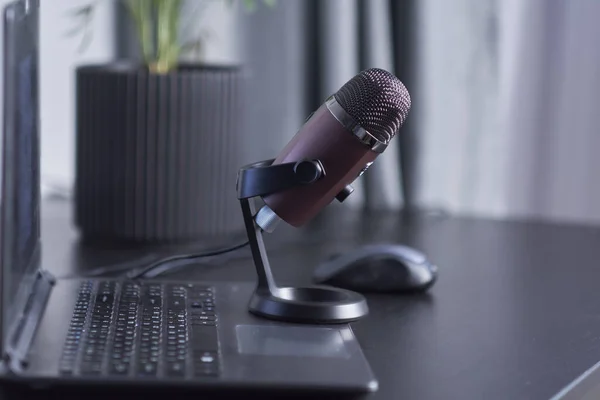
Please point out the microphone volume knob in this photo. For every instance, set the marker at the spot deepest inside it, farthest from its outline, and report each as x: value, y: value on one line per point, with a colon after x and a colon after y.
x: 343, y: 195
x: 308, y: 171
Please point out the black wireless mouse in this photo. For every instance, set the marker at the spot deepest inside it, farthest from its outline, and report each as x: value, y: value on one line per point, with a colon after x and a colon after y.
x: 378, y: 268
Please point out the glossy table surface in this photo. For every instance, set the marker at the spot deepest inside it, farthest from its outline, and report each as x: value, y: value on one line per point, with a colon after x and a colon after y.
x: 515, y: 313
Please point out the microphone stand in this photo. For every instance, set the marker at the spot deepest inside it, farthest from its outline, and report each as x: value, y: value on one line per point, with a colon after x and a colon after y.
x: 315, y: 304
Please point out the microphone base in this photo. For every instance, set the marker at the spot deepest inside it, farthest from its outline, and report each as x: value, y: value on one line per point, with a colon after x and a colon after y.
x: 312, y: 305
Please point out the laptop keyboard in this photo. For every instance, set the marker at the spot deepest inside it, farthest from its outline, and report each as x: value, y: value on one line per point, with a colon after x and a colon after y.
x: 149, y: 329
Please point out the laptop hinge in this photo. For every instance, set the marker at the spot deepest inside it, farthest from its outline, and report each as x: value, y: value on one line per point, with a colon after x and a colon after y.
x: 21, y: 336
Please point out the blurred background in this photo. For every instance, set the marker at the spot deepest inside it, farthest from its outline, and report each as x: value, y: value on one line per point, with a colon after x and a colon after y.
x: 504, y: 92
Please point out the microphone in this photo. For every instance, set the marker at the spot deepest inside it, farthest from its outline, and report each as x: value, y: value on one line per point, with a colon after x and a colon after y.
x: 345, y: 134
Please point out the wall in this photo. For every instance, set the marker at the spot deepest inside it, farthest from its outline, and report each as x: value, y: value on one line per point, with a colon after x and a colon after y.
x: 59, y: 55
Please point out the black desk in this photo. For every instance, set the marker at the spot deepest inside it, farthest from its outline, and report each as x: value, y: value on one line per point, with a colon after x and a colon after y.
x: 515, y: 314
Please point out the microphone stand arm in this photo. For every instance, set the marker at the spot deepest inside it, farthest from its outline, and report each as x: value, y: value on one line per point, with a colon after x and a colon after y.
x: 304, y: 305
x: 261, y: 179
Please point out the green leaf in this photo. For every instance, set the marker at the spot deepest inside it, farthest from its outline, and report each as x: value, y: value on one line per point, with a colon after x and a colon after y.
x: 250, y: 5
x: 159, y: 24
x: 168, y: 18
x: 141, y: 13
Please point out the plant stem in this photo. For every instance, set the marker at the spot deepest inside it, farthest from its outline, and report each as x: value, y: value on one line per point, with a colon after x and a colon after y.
x: 141, y: 11
x: 168, y: 17
x: 157, y: 23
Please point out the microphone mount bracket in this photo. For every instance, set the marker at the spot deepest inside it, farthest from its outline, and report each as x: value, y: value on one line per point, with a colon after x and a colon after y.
x: 264, y: 178
x: 314, y: 304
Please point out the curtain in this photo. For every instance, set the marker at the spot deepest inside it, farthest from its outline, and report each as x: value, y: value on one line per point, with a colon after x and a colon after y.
x: 509, y: 126
x: 556, y: 138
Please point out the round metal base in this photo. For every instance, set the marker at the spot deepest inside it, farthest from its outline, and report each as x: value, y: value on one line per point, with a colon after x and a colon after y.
x: 316, y: 305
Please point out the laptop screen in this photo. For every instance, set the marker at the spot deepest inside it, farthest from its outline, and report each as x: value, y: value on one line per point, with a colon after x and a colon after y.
x: 20, y: 151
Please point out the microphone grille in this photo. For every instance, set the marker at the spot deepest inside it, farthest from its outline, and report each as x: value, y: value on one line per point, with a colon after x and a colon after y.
x: 377, y: 100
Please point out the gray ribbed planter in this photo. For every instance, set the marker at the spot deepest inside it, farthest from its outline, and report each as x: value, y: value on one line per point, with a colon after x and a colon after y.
x: 157, y: 155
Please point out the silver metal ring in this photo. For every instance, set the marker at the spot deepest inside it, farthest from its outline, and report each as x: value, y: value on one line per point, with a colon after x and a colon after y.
x: 349, y: 123
x: 267, y: 219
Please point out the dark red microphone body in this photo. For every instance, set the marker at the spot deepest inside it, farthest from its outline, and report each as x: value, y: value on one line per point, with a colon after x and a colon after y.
x: 346, y: 134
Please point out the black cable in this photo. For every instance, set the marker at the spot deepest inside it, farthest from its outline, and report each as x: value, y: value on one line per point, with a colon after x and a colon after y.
x: 114, y: 268
x: 137, y: 274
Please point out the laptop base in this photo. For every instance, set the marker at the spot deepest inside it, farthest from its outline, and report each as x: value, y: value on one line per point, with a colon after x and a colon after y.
x: 254, y: 353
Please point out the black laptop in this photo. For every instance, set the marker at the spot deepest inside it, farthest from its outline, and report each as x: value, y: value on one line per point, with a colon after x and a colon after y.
x: 118, y: 332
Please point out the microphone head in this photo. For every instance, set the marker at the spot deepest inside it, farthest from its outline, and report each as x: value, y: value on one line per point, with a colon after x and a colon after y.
x: 377, y: 100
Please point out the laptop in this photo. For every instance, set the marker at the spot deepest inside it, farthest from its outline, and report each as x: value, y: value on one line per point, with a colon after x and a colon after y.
x: 154, y: 333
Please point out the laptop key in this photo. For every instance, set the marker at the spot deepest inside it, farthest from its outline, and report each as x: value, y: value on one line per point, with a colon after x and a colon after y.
x: 124, y: 336
x: 149, y: 333
x: 175, y: 369
x: 206, y: 363
x: 119, y: 368
x: 150, y: 330
x: 76, y: 329
x: 204, y: 341
x: 176, y: 329
x: 148, y: 369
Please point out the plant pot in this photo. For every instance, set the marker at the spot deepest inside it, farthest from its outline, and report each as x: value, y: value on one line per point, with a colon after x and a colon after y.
x: 157, y: 155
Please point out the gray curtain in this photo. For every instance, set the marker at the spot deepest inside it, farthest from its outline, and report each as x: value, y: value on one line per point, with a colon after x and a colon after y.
x: 555, y: 165
x: 299, y: 53
x: 508, y: 123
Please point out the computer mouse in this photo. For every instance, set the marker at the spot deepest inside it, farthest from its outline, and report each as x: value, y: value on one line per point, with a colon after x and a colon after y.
x: 378, y: 268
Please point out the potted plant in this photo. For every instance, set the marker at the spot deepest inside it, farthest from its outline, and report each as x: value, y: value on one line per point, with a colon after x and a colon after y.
x: 157, y: 141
